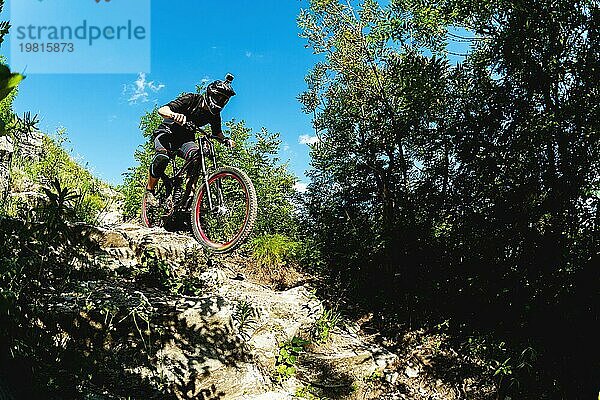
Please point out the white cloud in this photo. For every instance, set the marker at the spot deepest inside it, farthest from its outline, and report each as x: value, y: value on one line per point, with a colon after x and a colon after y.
x: 252, y: 54
x: 307, y: 139
x: 286, y: 147
x: 139, y: 91
x: 301, y: 187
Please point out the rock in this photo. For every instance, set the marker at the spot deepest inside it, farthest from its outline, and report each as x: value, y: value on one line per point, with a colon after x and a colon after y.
x: 114, y: 239
x: 270, y: 396
x: 112, y: 215
x: 411, y: 372
x: 221, y: 344
x: 6, y: 145
x: 30, y: 146
x: 392, y: 378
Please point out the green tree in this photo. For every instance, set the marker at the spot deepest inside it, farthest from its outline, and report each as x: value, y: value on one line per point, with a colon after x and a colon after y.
x: 8, y: 80
x: 135, y: 177
x: 377, y: 177
x: 476, y: 183
x: 525, y: 190
x: 255, y: 152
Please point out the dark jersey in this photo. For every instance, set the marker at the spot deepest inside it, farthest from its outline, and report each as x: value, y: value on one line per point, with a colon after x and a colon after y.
x: 194, y: 107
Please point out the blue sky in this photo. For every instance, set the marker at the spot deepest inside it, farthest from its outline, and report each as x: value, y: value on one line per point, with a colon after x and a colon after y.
x: 190, y: 41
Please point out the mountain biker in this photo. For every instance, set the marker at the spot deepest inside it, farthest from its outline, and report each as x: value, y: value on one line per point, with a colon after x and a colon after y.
x: 173, y: 135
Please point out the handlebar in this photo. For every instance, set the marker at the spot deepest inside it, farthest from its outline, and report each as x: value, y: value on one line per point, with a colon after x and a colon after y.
x: 193, y: 127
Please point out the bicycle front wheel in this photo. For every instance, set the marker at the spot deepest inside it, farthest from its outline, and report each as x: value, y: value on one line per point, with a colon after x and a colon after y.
x: 223, y: 213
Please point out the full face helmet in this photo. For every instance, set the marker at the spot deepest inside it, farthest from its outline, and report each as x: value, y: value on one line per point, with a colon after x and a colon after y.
x: 218, y: 94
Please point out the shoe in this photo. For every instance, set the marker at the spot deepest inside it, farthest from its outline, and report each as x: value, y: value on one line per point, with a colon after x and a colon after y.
x: 151, y: 200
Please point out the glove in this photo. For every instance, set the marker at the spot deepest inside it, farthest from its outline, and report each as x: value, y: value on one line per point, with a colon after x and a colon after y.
x: 229, y: 143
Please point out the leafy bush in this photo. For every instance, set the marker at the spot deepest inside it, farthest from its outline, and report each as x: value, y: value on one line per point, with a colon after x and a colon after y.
x: 255, y: 153
x: 328, y: 320
x: 135, y: 178
x: 41, y: 252
x: 275, y: 259
x: 288, y: 357
x: 271, y: 251
x: 307, y: 392
x: 464, y: 190
x: 57, y: 165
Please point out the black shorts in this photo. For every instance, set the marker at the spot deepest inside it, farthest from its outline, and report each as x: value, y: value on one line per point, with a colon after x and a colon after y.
x: 164, y: 140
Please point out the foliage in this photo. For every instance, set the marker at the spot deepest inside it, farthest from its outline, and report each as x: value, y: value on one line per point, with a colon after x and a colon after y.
x: 8, y: 79
x: 41, y: 250
x: 470, y: 190
x: 163, y: 274
x: 270, y: 251
x: 308, y: 251
x: 57, y: 165
x: 513, y: 370
x: 276, y: 259
x: 135, y: 178
x: 245, y: 316
x: 307, y: 392
x: 58, y: 208
x: 374, y: 378
x: 255, y: 153
x: 288, y: 357
x: 328, y: 320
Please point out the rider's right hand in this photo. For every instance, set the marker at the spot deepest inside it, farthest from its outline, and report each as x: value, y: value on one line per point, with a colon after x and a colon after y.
x: 179, y: 118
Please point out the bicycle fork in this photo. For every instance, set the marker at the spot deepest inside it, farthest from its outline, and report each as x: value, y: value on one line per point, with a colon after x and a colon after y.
x: 219, y: 189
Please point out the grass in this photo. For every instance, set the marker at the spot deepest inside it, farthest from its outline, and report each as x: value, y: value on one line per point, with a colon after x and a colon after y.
x: 274, y: 259
x: 325, y: 325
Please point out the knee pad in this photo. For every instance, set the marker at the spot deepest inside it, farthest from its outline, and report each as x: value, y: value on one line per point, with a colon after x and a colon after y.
x: 158, y: 165
x: 188, y: 150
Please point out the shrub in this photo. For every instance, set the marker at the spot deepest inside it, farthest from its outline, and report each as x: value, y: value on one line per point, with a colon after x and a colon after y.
x: 275, y: 259
x: 271, y: 251
x: 325, y: 325
x: 288, y: 357
x: 57, y: 165
x: 40, y: 253
x: 307, y: 392
x: 135, y: 177
x: 255, y: 153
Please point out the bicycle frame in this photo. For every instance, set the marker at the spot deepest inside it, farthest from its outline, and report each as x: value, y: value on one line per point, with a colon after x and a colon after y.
x: 192, y: 169
x: 220, y: 213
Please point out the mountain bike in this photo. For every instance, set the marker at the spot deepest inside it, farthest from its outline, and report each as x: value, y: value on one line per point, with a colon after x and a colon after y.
x: 218, y: 202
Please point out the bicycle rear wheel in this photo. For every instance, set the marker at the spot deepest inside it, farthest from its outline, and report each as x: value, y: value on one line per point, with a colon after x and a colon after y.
x: 152, y: 216
x: 222, y: 222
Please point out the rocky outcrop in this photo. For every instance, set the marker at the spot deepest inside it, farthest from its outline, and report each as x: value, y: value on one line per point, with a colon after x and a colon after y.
x: 30, y: 146
x: 166, y: 317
